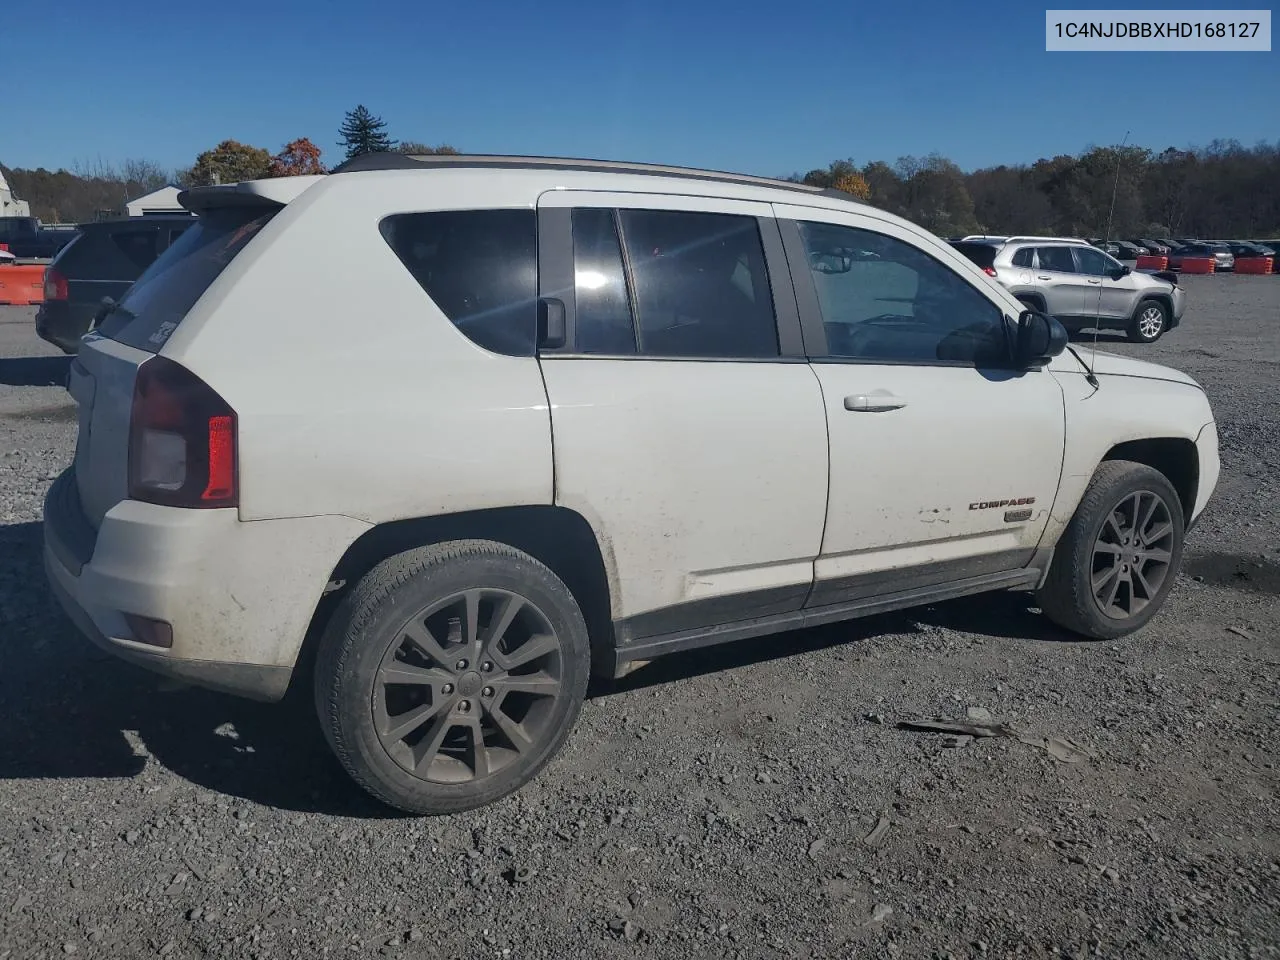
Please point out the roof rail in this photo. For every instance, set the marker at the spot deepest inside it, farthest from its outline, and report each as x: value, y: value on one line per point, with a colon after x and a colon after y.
x: 1025, y: 239
x: 405, y: 161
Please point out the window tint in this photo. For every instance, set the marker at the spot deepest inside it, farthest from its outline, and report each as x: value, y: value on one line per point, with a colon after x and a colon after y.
x: 700, y: 285
x: 139, y: 246
x: 983, y: 254
x: 1091, y: 262
x: 159, y: 299
x: 1056, y: 258
x: 885, y: 300
x: 1023, y: 257
x: 600, y: 285
x: 479, y: 266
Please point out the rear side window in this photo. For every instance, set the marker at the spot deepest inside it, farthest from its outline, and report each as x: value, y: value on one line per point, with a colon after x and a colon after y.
x: 138, y: 246
x: 600, y: 286
x: 159, y: 299
x: 1023, y: 257
x: 480, y: 267
x: 1057, y: 259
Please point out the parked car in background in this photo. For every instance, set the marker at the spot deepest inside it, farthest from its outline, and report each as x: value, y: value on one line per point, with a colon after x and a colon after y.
x: 607, y: 412
x: 1081, y: 285
x: 1154, y: 247
x: 104, y: 259
x: 1109, y: 247
x: 1239, y: 249
x: 29, y: 239
x: 1223, y: 259
x: 1128, y: 251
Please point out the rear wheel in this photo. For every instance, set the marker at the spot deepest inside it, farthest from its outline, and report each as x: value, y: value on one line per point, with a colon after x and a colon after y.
x: 1149, y: 321
x: 451, y: 675
x: 1119, y: 556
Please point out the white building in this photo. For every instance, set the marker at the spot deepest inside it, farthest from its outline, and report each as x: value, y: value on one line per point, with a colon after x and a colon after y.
x: 164, y: 200
x: 11, y: 206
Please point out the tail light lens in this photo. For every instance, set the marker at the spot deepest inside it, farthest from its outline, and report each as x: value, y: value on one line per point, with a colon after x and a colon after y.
x: 55, y: 285
x: 989, y: 271
x: 182, y: 440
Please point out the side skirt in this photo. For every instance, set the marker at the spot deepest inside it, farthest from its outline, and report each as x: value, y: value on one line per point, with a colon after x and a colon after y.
x: 651, y: 647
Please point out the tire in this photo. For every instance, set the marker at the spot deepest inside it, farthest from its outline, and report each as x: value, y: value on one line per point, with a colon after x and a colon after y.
x: 1149, y: 321
x: 451, y: 720
x: 1083, y: 554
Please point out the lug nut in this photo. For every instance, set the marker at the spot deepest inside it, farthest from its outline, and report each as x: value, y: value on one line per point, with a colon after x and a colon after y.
x: 462, y: 664
x: 447, y: 689
x: 487, y: 691
x: 487, y: 666
x: 465, y: 706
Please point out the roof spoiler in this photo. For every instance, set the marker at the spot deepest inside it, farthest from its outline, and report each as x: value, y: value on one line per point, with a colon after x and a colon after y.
x: 276, y: 192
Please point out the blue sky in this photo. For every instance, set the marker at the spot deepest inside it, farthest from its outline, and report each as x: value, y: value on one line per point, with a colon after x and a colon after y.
x: 766, y: 88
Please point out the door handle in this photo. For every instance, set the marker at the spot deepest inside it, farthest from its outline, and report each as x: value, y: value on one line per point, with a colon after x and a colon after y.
x: 876, y: 402
x: 1041, y: 276
x: 1095, y: 281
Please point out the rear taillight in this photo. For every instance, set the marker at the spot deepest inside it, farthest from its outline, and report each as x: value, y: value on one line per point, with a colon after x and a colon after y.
x: 182, y: 440
x: 55, y: 285
x: 990, y: 271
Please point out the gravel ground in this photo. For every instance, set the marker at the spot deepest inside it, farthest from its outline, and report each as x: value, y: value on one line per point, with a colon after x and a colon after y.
x: 719, y: 804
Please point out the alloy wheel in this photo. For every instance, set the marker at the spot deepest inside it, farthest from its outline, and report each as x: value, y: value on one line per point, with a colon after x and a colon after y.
x: 1132, y: 555
x: 1150, y: 322
x: 468, y: 686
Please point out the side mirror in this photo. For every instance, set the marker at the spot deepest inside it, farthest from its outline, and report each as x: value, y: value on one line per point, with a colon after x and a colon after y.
x: 1039, y: 338
x: 1115, y: 273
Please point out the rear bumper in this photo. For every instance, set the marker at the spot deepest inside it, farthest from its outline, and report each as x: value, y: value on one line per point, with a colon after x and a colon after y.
x: 63, y: 323
x: 238, y: 595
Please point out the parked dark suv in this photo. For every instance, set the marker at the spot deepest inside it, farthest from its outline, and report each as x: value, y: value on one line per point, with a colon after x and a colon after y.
x: 102, y: 261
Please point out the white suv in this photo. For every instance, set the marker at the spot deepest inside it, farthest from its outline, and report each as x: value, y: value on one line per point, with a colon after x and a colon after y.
x: 466, y: 430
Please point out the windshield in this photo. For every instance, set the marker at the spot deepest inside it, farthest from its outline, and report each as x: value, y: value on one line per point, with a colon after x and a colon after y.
x: 159, y: 299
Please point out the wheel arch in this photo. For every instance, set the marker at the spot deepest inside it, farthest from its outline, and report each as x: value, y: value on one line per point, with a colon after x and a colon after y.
x: 1175, y: 457
x: 1034, y: 300
x: 560, y: 538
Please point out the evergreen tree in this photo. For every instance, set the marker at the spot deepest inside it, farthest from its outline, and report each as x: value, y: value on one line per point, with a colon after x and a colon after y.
x: 362, y: 132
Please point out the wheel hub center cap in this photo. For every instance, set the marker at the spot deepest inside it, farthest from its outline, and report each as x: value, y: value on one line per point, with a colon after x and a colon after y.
x: 469, y: 684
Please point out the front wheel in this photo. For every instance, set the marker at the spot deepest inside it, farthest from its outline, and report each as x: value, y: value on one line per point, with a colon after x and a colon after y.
x: 451, y: 675
x: 1119, y: 556
x: 1149, y: 321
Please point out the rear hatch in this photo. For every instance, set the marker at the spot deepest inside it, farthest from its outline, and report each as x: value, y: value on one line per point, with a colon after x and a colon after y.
x: 103, y: 373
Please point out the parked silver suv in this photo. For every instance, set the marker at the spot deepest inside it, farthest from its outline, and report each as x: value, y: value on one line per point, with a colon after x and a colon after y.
x: 1079, y: 284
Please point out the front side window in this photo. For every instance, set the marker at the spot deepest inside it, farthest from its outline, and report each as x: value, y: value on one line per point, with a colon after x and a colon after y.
x: 1092, y: 263
x: 885, y: 300
x: 699, y: 284
x: 480, y: 267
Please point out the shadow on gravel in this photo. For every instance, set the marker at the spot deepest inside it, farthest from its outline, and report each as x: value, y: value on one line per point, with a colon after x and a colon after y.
x: 1235, y: 571
x: 34, y: 371
x: 70, y: 710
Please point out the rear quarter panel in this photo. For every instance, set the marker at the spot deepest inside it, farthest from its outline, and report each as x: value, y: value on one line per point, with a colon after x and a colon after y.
x: 355, y: 394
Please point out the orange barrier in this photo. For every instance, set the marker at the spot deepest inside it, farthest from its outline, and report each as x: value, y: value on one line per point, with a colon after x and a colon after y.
x: 1150, y: 262
x: 1253, y: 265
x: 1197, y: 265
x: 22, y: 286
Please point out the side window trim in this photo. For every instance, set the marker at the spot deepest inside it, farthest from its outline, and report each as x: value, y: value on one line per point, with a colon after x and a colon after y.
x: 556, y: 280
x: 815, y: 332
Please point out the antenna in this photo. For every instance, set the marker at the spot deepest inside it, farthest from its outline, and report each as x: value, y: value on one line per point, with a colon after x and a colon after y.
x: 1106, y: 237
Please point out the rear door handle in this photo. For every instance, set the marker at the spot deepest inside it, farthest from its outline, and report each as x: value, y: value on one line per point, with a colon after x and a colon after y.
x: 1095, y: 281
x: 876, y: 402
x: 1042, y: 277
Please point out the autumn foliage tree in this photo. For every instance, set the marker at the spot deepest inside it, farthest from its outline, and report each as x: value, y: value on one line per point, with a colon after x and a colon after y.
x: 230, y: 162
x: 298, y: 158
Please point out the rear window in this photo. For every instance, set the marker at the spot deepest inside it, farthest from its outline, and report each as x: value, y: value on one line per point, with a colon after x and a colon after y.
x: 983, y: 254
x: 480, y: 267
x: 159, y: 299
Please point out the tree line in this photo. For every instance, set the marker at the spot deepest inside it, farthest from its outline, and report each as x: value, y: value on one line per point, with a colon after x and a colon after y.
x: 1220, y: 191
x: 97, y: 189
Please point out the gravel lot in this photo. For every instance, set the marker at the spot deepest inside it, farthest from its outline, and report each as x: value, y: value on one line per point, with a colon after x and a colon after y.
x: 712, y: 805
